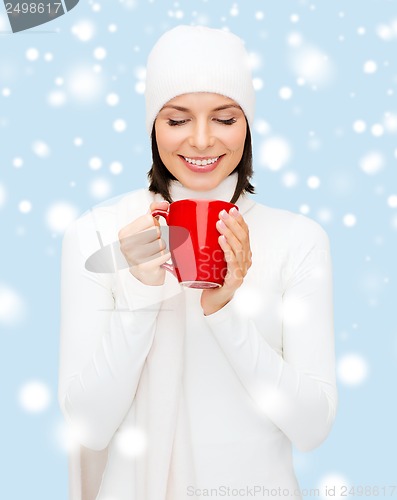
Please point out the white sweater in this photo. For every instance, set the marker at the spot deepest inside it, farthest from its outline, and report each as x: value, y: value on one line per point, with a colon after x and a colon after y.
x: 259, y: 374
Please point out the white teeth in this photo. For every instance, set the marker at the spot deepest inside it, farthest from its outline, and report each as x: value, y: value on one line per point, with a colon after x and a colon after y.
x: 202, y: 162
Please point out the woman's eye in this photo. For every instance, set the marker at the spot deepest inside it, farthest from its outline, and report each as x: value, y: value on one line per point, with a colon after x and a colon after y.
x: 174, y: 123
x: 230, y: 121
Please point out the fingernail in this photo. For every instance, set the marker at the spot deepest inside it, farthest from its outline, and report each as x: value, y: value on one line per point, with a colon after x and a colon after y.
x: 224, y: 214
x: 234, y: 212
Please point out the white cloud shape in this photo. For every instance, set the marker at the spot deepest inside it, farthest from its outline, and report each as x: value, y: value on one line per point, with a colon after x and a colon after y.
x: 333, y: 486
x: 60, y: 215
x: 84, y: 30
x: 100, y: 188
x: 3, y: 195
x: 312, y: 64
x: 34, y: 396
x: 372, y: 162
x: 12, y: 306
x: 387, y: 31
x: 274, y: 153
x: 84, y: 84
x: 41, y: 149
x: 352, y: 369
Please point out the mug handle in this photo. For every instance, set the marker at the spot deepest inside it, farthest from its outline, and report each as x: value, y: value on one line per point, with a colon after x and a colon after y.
x: 165, y: 214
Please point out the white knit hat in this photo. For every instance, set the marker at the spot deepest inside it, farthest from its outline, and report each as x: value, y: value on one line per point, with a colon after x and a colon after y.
x: 198, y: 59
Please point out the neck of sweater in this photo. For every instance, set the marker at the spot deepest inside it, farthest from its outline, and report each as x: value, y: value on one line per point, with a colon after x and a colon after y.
x: 224, y: 191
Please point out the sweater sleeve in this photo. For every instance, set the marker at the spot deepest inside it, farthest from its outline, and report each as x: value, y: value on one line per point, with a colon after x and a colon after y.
x: 104, y: 342
x: 296, y: 390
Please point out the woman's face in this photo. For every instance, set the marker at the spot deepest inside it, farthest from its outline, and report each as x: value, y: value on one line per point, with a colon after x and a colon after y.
x: 200, y: 138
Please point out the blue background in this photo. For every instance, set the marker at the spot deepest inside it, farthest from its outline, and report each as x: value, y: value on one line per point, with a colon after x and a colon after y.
x: 317, y: 123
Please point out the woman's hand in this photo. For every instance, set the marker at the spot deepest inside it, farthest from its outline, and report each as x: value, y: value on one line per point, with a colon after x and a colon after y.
x: 234, y: 241
x: 143, y: 247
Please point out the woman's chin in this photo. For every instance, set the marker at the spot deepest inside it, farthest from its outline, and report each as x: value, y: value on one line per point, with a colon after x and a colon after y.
x: 201, y: 184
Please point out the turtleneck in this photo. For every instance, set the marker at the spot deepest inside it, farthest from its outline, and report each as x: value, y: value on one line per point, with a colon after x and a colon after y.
x: 224, y: 191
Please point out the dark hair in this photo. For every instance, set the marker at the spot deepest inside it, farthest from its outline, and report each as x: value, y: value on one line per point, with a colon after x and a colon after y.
x: 160, y: 177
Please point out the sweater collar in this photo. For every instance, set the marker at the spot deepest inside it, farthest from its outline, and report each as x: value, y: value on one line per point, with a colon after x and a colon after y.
x: 224, y: 191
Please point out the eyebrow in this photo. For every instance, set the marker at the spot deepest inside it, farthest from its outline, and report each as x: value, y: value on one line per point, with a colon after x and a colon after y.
x: 219, y: 108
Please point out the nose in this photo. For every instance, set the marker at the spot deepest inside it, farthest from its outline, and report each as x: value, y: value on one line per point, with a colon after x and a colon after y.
x: 201, y: 136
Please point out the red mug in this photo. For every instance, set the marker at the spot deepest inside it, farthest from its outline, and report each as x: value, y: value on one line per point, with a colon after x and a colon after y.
x: 197, y: 258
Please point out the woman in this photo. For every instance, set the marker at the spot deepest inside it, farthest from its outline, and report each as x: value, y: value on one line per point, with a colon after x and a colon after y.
x: 192, y: 392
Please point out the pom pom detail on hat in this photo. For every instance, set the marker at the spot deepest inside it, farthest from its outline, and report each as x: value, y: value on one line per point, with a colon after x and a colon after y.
x: 198, y: 59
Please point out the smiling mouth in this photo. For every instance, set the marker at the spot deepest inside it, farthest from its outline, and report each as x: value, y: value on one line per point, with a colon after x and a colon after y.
x: 201, y: 164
